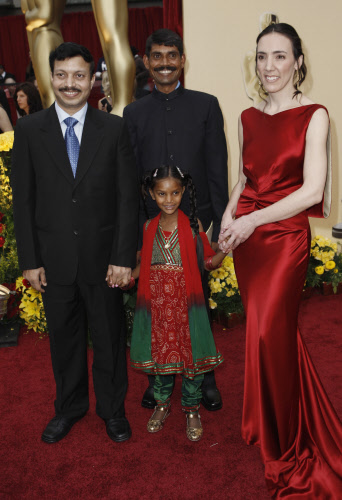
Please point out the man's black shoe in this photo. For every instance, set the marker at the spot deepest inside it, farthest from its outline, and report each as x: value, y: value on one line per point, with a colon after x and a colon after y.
x: 118, y: 429
x: 211, y: 398
x: 148, y: 400
x: 58, y: 428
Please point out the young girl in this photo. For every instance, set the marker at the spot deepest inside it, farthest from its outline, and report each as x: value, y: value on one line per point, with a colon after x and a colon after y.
x: 171, y: 332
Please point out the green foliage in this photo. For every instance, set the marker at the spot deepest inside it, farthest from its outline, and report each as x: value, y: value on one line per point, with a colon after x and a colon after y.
x: 9, y: 268
x: 228, y: 305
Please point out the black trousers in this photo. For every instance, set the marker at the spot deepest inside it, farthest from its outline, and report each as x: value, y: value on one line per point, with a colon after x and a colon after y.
x: 69, y: 310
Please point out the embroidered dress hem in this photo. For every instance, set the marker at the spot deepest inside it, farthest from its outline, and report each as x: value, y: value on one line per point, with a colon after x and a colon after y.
x: 202, y: 366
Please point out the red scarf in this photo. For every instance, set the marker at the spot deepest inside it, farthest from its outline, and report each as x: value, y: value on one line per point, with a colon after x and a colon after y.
x: 187, y: 244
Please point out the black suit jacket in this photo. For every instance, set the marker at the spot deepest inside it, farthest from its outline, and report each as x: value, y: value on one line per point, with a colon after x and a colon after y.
x: 68, y: 224
x: 7, y: 75
x: 185, y: 129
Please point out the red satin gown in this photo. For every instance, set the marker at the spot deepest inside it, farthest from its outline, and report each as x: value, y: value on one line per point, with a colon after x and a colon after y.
x: 286, y: 411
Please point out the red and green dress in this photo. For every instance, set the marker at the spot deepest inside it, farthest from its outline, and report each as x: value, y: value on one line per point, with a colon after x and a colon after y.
x: 171, y: 332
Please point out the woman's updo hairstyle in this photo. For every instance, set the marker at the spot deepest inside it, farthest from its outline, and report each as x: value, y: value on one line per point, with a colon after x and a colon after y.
x: 290, y: 33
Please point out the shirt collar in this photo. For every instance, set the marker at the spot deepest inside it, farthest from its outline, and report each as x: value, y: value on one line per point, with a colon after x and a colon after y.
x: 179, y: 90
x: 178, y: 84
x: 80, y: 115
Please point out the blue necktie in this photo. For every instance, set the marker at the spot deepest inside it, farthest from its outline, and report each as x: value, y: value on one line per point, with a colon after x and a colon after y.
x: 72, y: 144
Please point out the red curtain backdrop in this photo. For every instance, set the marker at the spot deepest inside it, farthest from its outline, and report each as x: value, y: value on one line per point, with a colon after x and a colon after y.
x: 79, y: 27
x: 173, y: 16
x: 14, y: 47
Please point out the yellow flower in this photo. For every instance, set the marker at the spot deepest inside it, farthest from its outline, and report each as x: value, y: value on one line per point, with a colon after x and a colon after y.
x: 34, y: 294
x: 335, y: 270
x: 30, y: 308
x: 227, y: 262
x: 215, y: 286
x: 6, y: 141
x: 212, y: 304
x: 5, y: 187
x: 222, y: 273
x: 19, y: 283
x: 330, y: 264
x: 319, y: 270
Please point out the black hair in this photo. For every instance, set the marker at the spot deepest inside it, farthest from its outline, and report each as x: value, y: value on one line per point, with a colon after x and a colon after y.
x: 149, y: 181
x: 134, y: 50
x: 290, y: 33
x: 33, y: 98
x: 68, y: 50
x: 164, y: 37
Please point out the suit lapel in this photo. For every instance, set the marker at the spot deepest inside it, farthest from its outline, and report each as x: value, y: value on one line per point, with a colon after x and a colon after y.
x: 53, y: 139
x: 91, y: 139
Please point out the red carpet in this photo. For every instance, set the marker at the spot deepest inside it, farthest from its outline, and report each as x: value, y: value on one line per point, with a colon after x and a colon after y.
x: 87, y: 465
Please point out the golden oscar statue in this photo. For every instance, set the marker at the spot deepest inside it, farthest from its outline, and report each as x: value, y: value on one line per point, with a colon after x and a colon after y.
x: 111, y: 18
x: 43, y: 19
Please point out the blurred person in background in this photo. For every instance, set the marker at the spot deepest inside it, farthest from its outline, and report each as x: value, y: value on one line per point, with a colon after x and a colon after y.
x: 5, y: 123
x: 4, y: 74
x: 106, y: 103
x: 9, y: 86
x: 27, y: 99
x: 100, y: 68
x: 4, y: 102
x: 142, y: 75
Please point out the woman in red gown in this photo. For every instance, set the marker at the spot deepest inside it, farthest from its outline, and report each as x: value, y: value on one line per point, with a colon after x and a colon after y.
x: 283, y: 172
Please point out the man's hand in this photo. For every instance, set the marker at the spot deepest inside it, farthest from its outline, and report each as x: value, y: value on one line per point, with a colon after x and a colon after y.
x: 36, y: 277
x: 118, y: 276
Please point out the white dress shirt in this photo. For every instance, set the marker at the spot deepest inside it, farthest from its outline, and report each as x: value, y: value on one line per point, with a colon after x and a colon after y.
x: 80, y: 116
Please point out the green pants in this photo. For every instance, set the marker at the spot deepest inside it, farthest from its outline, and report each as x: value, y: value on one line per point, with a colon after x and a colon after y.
x: 191, y: 391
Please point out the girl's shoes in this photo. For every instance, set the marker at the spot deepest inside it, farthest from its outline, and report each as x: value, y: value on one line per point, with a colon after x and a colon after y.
x: 194, y: 433
x: 156, y: 422
x: 194, y: 429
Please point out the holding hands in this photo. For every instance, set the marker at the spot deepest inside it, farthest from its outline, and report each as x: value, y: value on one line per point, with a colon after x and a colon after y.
x: 118, y: 276
x: 234, y: 232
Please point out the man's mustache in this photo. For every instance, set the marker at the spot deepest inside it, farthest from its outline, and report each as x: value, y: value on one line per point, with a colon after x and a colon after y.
x: 69, y: 89
x: 163, y: 68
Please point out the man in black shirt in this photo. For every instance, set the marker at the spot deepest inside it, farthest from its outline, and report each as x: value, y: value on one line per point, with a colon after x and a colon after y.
x: 181, y: 127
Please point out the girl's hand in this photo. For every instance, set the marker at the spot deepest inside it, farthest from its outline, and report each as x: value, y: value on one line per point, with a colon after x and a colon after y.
x: 238, y: 232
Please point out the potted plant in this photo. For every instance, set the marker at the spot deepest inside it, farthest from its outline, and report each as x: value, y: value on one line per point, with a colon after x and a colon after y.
x: 225, y: 301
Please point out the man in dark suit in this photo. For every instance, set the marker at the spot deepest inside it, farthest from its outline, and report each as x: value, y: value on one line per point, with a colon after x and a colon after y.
x: 75, y: 195
x: 4, y: 74
x: 181, y: 127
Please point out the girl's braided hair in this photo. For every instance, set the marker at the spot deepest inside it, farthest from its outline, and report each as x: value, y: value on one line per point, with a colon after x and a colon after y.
x: 149, y: 181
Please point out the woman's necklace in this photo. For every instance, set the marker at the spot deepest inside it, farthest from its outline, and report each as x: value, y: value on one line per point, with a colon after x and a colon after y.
x: 167, y: 238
